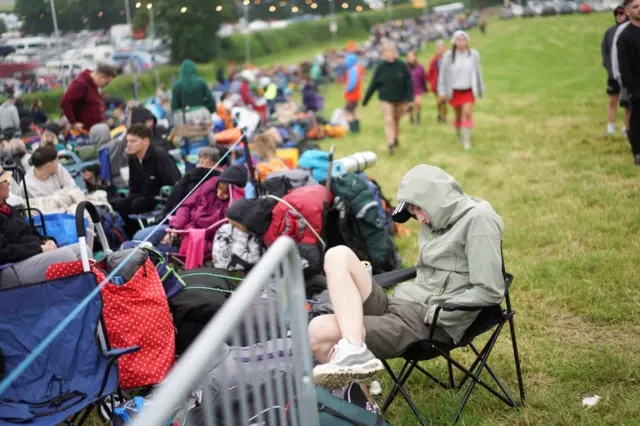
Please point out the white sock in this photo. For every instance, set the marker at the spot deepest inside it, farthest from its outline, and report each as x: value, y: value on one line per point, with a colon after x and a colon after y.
x: 611, y: 127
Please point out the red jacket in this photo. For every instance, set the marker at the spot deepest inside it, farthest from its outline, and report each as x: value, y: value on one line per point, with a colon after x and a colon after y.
x: 432, y: 74
x: 83, y: 102
x: 308, y: 201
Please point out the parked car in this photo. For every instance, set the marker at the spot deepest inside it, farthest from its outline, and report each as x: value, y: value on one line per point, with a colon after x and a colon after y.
x: 528, y: 12
x: 506, y: 13
x: 584, y: 8
x: 516, y: 9
x: 549, y: 9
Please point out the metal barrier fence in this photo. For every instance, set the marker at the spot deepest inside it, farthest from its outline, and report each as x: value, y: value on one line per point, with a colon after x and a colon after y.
x: 238, y: 383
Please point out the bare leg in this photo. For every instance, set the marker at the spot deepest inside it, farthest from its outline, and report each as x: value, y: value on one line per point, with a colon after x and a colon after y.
x: 627, y: 117
x: 467, y: 124
x: 612, y: 113
x: 458, y: 123
x: 337, y: 341
x: 397, y: 116
x: 387, y: 113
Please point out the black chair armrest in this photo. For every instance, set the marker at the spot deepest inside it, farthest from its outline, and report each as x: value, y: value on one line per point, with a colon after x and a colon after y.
x: 390, y: 278
x: 451, y: 307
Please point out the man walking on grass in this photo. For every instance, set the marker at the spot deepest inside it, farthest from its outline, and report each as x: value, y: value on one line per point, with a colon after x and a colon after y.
x: 628, y: 50
x: 613, y: 86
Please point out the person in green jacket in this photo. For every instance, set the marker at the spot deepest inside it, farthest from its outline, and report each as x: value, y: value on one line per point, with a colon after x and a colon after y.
x: 191, y: 91
x: 459, y: 263
x: 392, y: 80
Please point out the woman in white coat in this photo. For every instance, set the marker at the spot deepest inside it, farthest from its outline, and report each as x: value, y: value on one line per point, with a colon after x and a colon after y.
x: 460, y: 82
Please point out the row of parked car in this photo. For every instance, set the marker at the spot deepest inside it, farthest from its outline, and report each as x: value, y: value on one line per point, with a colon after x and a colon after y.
x: 554, y: 7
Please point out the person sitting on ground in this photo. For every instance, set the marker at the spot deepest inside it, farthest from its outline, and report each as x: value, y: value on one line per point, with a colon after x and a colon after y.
x: 264, y: 146
x: 459, y: 262
x: 47, y: 176
x: 40, y: 118
x: 150, y: 168
x: 51, y: 139
x: 28, y: 130
x: 9, y: 117
x: 100, y: 135
x: 22, y: 245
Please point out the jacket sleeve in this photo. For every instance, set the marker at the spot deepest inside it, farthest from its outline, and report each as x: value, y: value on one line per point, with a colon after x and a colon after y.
x: 171, y: 174
x: 605, y: 51
x: 182, y: 216
x: 615, y: 66
x: 485, y: 270
x: 176, y: 101
x: 423, y: 79
x: 444, y: 69
x: 135, y: 186
x: 11, y: 253
x: 209, y: 100
x: 625, y: 53
x: 75, y: 92
x: 408, y: 83
x: 373, y: 86
x: 479, y: 76
x: 353, y: 79
x: 15, y: 118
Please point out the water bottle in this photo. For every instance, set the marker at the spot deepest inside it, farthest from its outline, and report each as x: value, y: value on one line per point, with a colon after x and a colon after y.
x: 117, y: 280
x: 368, y: 267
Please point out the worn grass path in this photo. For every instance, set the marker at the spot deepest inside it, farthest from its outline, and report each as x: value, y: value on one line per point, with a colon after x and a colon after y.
x: 570, y: 201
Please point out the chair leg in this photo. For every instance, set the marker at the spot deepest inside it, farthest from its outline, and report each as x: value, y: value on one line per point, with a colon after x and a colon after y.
x: 474, y: 365
x: 398, y: 386
x: 516, y: 357
x: 483, y: 361
x: 432, y: 377
x: 494, y: 376
x: 397, y: 382
x: 85, y: 416
x: 452, y: 381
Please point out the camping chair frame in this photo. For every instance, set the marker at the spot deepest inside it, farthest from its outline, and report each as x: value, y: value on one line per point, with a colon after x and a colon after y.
x: 490, y: 317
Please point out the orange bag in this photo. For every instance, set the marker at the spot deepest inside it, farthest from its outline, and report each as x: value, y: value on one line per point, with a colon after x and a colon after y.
x: 228, y: 137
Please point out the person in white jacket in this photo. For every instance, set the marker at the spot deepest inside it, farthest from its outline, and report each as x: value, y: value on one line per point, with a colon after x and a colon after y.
x: 615, y: 70
x: 460, y: 82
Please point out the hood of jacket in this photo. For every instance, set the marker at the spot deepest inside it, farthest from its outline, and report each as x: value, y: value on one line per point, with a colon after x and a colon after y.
x: 235, y: 175
x: 459, y: 256
x: 100, y: 134
x: 141, y: 114
x: 350, y: 60
x: 437, y: 193
x: 254, y: 214
x: 188, y: 69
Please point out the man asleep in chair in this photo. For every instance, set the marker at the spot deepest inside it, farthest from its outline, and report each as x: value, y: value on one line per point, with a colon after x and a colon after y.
x: 459, y: 261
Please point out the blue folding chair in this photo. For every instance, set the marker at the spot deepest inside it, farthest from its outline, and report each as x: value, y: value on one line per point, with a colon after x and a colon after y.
x: 75, y: 372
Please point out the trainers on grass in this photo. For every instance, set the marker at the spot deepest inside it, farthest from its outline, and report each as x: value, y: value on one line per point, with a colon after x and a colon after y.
x: 347, y: 363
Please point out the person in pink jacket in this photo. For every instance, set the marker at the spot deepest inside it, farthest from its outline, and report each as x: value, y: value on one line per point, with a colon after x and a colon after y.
x: 419, y: 78
x: 203, y: 213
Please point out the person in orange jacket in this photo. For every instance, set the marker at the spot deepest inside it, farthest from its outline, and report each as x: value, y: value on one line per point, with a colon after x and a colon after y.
x: 432, y: 78
x: 353, y: 90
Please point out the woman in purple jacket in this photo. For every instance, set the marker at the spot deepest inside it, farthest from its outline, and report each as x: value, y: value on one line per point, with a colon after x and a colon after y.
x: 419, y: 77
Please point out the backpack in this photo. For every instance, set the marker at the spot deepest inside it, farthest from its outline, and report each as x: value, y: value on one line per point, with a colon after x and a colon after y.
x: 337, y: 411
x: 113, y: 227
x: 354, y: 221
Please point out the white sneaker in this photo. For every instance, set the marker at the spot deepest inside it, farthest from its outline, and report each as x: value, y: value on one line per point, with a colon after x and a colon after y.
x: 347, y: 363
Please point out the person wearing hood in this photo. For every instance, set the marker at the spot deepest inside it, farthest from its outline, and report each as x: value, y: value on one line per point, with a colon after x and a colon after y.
x: 191, y: 91
x: 9, y: 117
x: 392, y: 80
x: 100, y: 135
x: 82, y: 103
x: 144, y: 116
x: 353, y: 90
x: 613, y: 86
x: 460, y: 82
x: 459, y: 262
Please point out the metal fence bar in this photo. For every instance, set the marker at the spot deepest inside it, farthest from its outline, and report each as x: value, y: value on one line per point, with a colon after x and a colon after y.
x: 283, y: 261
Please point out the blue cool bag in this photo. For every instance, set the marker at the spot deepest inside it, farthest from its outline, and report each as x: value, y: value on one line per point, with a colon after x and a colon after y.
x: 61, y: 227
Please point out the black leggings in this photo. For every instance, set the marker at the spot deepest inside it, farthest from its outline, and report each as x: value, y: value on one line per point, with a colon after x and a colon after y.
x: 134, y: 204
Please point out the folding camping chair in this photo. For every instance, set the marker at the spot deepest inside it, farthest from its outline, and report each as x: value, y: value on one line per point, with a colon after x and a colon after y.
x: 492, y: 317
x: 75, y: 372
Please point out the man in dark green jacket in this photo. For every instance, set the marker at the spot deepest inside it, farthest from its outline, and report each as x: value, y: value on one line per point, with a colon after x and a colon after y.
x: 191, y: 91
x: 392, y: 80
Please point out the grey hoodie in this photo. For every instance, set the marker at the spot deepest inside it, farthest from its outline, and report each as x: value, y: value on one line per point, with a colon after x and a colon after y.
x: 9, y: 118
x: 459, y: 257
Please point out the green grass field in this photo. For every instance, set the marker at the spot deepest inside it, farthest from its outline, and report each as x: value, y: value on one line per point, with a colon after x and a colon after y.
x: 570, y: 201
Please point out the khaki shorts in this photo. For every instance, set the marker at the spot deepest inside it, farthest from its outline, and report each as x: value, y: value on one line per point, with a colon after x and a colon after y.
x: 392, y: 325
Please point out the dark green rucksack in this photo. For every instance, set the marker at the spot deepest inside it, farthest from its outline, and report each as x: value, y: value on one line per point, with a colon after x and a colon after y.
x: 354, y: 221
x: 339, y: 412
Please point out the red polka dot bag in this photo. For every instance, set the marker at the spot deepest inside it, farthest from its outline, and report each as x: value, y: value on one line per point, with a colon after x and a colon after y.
x: 135, y: 313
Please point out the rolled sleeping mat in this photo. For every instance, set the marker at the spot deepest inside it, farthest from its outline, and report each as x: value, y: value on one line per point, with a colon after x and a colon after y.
x: 354, y: 163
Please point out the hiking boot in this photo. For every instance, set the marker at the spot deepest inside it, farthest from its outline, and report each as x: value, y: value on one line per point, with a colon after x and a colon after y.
x: 396, y: 142
x: 413, y: 120
x: 347, y: 363
x: 391, y: 149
